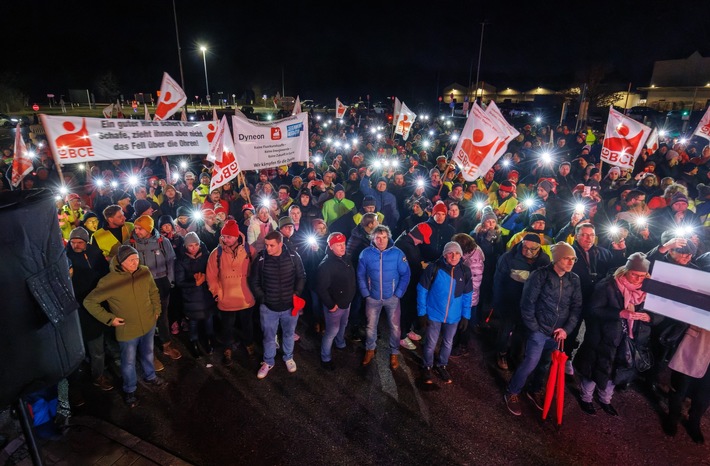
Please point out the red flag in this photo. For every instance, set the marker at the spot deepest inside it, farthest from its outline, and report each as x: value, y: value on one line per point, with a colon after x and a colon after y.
x: 22, y: 162
x: 172, y: 97
x: 623, y: 140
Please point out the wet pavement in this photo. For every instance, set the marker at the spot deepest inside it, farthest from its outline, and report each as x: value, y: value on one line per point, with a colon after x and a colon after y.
x: 215, y: 415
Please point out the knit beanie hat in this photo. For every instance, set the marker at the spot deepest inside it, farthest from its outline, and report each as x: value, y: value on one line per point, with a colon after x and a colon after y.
x: 230, y: 228
x: 452, y: 246
x: 507, y: 186
x: 146, y: 222
x: 637, y: 262
x: 439, y: 207
x: 124, y: 252
x: 546, y: 185
x: 141, y: 205
x: 488, y: 214
x: 679, y: 197
x: 285, y: 221
x: 335, y: 238
x: 90, y: 214
x: 338, y: 187
x: 183, y: 210
x: 532, y: 237
x: 703, y: 190
x: 561, y: 250
x: 164, y: 220
x: 536, y: 218
x: 191, y: 238
x: 79, y: 233
x: 369, y: 201
x: 422, y: 232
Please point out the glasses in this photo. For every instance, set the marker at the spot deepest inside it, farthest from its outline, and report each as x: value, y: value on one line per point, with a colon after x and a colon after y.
x: 525, y: 248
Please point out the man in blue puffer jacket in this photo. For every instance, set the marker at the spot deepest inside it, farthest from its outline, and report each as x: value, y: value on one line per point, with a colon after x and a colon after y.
x: 444, y: 295
x: 382, y: 277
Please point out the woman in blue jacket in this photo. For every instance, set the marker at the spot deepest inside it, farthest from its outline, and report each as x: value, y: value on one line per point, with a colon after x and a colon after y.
x: 444, y: 295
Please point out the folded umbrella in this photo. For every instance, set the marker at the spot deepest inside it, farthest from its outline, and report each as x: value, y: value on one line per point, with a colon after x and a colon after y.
x: 561, y: 360
x: 556, y: 382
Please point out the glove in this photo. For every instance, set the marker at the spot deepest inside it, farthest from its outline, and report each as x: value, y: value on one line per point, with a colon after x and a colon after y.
x: 423, y: 322
x: 463, y: 324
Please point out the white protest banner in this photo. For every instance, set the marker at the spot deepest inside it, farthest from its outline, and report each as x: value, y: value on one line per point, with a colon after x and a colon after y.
x: 481, y: 137
x: 405, y: 120
x: 225, y: 165
x: 265, y: 144
x: 79, y: 139
x: 703, y: 129
x: 623, y: 140
x: 680, y: 293
x: 172, y: 97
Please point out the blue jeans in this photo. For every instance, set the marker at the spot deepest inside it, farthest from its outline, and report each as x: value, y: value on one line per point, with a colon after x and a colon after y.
x: 140, y: 348
x: 335, y: 323
x: 432, y: 336
x: 538, y: 351
x: 373, y: 307
x: 270, y: 325
x: 194, y: 333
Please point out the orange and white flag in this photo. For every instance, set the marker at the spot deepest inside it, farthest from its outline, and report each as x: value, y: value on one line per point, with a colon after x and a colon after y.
x: 703, y: 129
x: 479, y: 146
x: 623, y: 140
x: 172, y: 97
x: 119, y: 110
x: 21, y: 162
x: 404, y: 121
x: 340, y: 109
x: 108, y: 111
x: 397, y: 110
x: 495, y: 114
x: 297, y: 106
x: 225, y: 164
x: 147, y: 113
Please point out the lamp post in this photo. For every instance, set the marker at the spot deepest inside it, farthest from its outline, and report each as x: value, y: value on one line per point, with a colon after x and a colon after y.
x: 204, y: 60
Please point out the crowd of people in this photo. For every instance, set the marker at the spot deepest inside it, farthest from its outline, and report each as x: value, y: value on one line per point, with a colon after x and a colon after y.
x: 548, y: 241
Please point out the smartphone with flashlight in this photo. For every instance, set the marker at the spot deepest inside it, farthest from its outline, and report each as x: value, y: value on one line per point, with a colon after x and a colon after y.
x: 587, y: 192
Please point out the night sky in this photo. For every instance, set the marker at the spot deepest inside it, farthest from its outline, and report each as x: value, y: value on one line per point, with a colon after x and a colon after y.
x: 345, y: 49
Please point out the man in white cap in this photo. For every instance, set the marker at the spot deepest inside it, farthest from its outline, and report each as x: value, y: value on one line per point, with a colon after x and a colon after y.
x: 551, y: 306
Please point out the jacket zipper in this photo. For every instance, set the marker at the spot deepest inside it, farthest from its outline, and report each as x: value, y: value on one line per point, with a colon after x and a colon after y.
x: 557, y: 310
x: 382, y: 283
x: 448, y: 300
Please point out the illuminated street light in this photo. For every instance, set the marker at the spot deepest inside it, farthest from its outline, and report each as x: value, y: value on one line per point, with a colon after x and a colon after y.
x: 204, y: 60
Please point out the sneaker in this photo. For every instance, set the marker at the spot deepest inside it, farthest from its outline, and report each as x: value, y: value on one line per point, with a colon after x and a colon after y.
x: 459, y: 351
x: 157, y: 382
x: 502, y: 361
x: 513, y: 403
x: 443, y: 374
x: 171, y: 352
x: 427, y: 376
x: 407, y: 344
x: 175, y: 328
x: 103, y: 383
x: 130, y: 399
x: 263, y: 370
x: 327, y: 365
x: 538, y: 399
x: 291, y: 366
x: 209, y: 346
x: 414, y: 336
x: 569, y: 370
x: 194, y: 349
x: 157, y: 365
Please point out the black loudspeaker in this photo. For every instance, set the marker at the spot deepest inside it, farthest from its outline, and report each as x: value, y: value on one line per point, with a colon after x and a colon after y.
x: 40, y: 336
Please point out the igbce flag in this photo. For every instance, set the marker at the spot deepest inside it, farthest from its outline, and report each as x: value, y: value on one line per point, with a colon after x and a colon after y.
x: 623, y: 140
x: 481, y: 143
x: 266, y: 144
x: 511, y: 133
x: 225, y: 163
x: 405, y: 120
x: 340, y: 109
x: 652, y: 141
x: 21, y: 162
x: 172, y: 97
x: 703, y: 129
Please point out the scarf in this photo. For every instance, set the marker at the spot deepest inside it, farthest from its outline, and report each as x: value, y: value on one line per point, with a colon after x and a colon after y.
x: 633, y: 296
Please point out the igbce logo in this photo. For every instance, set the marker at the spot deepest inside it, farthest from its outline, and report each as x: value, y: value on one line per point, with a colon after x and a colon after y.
x: 275, y: 134
x: 76, y: 143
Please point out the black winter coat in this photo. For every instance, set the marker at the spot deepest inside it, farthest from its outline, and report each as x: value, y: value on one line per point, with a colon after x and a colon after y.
x: 87, y: 268
x: 512, y: 271
x: 595, y: 359
x: 358, y: 241
x: 550, y: 301
x: 440, y: 235
x: 275, y: 279
x: 601, y: 262
x: 336, y: 282
x: 198, y: 302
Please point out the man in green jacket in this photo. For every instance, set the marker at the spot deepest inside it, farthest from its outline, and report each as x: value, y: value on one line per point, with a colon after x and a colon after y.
x: 338, y: 206
x: 134, y: 303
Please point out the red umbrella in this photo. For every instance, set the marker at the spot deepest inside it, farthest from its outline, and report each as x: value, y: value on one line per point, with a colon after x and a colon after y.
x: 556, y: 379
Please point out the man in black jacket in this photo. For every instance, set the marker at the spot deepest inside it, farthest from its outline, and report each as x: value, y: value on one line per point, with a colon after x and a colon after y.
x: 441, y: 233
x: 550, y: 307
x: 336, y: 289
x: 277, y: 276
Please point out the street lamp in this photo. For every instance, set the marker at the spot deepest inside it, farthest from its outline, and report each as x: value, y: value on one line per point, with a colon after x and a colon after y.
x: 204, y: 60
